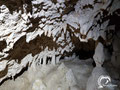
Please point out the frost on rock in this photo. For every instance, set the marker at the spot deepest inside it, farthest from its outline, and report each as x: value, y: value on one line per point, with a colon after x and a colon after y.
x: 46, y: 30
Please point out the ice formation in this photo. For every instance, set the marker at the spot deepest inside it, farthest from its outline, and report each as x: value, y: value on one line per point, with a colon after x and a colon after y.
x: 99, y: 55
x: 93, y: 82
x: 36, y: 30
x: 62, y: 76
x: 98, y: 71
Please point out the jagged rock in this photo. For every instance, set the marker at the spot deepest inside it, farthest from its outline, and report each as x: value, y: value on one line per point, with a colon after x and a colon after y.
x: 30, y: 28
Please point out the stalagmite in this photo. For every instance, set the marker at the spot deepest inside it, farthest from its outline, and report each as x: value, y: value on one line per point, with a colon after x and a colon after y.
x: 99, y: 72
x: 53, y: 57
x: 53, y: 60
x: 99, y: 55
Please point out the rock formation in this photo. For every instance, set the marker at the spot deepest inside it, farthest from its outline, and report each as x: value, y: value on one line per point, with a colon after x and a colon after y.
x: 43, y: 31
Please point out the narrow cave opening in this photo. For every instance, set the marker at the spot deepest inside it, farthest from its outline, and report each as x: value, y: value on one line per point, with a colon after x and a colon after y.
x: 84, y: 50
x: 83, y: 54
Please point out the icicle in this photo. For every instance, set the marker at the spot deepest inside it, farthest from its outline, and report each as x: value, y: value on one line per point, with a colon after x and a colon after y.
x: 49, y: 33
x: 40, y: 60
x: 64, y: 27
x: 53, y: 57
x: 53, y: 60
x: 44, y: 60
x: 38, y: 63
x: 33, y: 65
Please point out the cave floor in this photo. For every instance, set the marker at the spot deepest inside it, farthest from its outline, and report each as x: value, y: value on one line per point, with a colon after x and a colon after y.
x: 67, y: 75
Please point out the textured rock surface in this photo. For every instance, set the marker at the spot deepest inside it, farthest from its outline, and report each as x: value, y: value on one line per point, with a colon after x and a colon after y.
x: 44, y: 30
x: 70, y: 75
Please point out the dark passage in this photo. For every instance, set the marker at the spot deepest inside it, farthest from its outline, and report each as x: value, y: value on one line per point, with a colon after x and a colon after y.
x: 84, y: 54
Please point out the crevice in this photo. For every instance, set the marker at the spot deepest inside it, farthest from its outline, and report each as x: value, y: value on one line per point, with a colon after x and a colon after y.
x: 3, y: 45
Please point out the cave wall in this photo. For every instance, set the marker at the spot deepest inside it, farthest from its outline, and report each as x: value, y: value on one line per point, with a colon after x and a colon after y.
x: 32, y: 30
